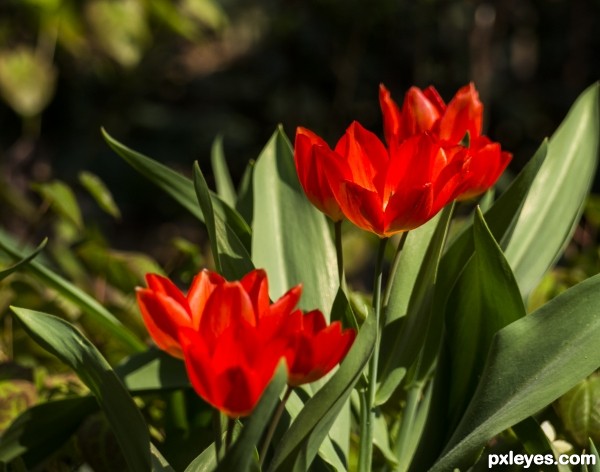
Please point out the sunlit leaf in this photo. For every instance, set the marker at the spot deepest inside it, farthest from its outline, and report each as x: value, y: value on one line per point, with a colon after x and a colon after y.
x: 484, y: 300
x: 531, y: 363
x: 291, y: 238
x: 65, y: 342
x: 555, y: 201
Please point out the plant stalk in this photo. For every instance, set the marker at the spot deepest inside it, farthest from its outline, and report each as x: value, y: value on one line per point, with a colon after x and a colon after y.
x: 340, y: 256
x: 273, y: 426
x: 367, y: 411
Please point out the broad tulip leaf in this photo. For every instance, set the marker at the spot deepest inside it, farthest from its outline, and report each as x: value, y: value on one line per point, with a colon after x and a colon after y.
x: 180, y: 188
x: 300, y: 443
x: 404, y: 275
x: 534, y: 440
x: 231, y: 258
x: 42, y: 429
x: 18, y: 265
x: 239, y: 457
x: 531, y: 363
x: 153, y: 370
x: 225, y: 188
x: 501, y: 218
x: 88, y: 305
x: 159, y: 463
x: 291, y: 238
x: 555, y: 201
x: 485, y: 299
x: 402, y: 340
x: 68, y: 344
x: 245, y: 200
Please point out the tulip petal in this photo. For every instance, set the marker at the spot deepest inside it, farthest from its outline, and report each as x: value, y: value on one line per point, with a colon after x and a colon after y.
x: 257, y: 286
x: 365, y: 156
x: 163, y: 317
x: 419, y: 114
x: 408, y: 209
x: 202, y: 286
x: 310, y: 154
x: 361, y: 206
x: 392, y: 119
x: 228, y: 305
x: 160, y: 284
x: 464, y: 114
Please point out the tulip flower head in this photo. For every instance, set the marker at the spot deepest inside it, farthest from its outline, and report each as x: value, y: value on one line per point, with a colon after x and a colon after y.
x: 425, y: 165
x: 232, y: 337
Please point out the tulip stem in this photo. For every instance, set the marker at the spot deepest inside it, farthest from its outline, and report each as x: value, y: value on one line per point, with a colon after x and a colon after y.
x: 229, y: 435
x: 367, y: 412
x: 273, y: 425
x: 340, y: 255
x: 218, y: 433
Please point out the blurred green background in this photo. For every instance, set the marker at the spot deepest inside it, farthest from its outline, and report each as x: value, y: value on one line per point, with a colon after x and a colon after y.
x: 165, y: 77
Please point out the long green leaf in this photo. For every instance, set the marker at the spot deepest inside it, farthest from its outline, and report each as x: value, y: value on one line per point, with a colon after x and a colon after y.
x: 18, y: 265
x: 65, y: 342
x: 225, y: 188
x: 530, y: 364
x: 42, y: 429
x: 299, y: 445
x: 291, y: 238
x: 231, y: 258
x: 485, y: 299
x: 180, y: 188
x: 403, y: 279
x: 556, y: 198
x: 402, y: 340
x: 88, y: 305
x: 239, y: 457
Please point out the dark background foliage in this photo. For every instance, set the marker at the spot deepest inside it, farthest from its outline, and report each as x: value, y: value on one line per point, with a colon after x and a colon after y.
x: 315, y: 63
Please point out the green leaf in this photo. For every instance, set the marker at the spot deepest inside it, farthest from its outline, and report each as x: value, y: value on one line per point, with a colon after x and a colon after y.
x: 231, y: 258
x: 534, y: 440
x: 159, y: 463
x: 42, y: 429
x: 88, y: 305
x: 245, y: 201
x: 300, y: 443
x: 225, y: 188
x: 65, y: 342
x: 239, y: 457
x: 500, y: 218
x: 595, y: 467
x: 557, y: 195
x: 62, y: 200
x: 153, y: 370
x: 531, y: 363
x: 100, y: 193
x: 404, y: 275
x: 291, y: 238
x: 485, y: 299
x: 18, y: 265
x: 403, y: 339
x: 180, y: 188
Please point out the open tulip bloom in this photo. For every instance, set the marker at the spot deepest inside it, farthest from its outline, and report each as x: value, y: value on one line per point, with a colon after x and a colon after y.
x: 425, y: 165
x: 433, y: 369
x: 232, y: 337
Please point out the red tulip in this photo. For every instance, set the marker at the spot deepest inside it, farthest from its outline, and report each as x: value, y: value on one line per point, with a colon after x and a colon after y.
x: 165, y: 309
x: 389, y: 190
x: 425, y: 111
x: 314, y: 348
x: 232, y: 337
x: 309, y: 154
